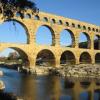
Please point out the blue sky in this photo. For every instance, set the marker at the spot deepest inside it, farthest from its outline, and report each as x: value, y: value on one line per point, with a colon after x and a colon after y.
x: 83, y: 10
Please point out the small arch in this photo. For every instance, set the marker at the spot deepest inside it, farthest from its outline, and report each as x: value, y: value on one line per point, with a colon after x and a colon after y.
x: 85, y: 58
x: 84, y: 27
x: 45, y: 35
x: 45, y: 58
x: 67, y: 38
x: 79, y: 26
x: 36, y: 17
x: 53, y: 21
x: 28, y: 16
x: 97, y: 30
x: 89, y: 28
x: 97, y: 58
x: 84, y: 40
x: 66, y: 23
x: 45, y: 19
x: 93, y: 29
x: 67, y: 57
x: 97, y: 42
x: 73, y: 25
x: 19, y: 14
x: 60, y: 22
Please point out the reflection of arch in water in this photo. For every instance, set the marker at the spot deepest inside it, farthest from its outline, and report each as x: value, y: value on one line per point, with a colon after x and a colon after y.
x: 67, y: 57
x: 23, y: 26
x: 45, y: 35
x: 23, y: 55
x: 45, y: 58
x: 85, y: 84
x: 85, y: 58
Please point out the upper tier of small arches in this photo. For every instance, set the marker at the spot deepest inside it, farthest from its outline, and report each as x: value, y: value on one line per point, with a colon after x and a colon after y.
x: 49, y: 18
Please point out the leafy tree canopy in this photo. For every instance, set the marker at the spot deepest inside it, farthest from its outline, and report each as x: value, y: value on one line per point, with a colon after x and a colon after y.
x: 9, y: 7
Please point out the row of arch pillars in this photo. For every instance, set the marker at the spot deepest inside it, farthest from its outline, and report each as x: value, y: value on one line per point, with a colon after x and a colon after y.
x: 56, y: 33
x: 93, y: 40
x: 47, y: 58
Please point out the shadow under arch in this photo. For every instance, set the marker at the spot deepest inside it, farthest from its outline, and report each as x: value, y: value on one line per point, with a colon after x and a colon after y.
x: 69, y: 32
x: 45, y: 58
x: 24, y: 26
x: 23, y: 55
x: 67, y: 57
x: 97, y: 58
x: 84, y: 44
x: 85, y: 58
x: 97, y: 42
x: 51, y: 31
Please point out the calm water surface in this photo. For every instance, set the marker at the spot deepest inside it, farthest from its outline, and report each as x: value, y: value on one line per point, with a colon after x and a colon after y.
x: 44, y: 87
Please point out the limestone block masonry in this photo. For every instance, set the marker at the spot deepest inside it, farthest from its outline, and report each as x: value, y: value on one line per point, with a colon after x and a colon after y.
x: 56, y: 25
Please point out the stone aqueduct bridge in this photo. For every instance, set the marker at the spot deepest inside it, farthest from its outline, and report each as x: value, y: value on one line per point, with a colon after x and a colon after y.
x: 56, y: 24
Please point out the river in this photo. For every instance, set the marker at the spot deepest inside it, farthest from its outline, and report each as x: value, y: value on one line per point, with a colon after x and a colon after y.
x: 45, y: 87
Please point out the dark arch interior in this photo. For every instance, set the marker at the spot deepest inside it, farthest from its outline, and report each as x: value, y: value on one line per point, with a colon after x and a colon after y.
x: 45, y: 58
x: 85, y: 58
x: 13, y: 31
x: 84, y: 41
x: 67, y: 38
x: 16, y: 55
x: 97, y: 42
x: 67, y: 58
x: 45, y: 36
x: 97, y: 58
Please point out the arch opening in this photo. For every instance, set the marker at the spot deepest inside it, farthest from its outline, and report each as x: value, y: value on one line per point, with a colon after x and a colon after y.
x: 97, y: 42
x: 45, y: 36
x: 45, y: 58
x: 85, y: 58
x: 13, y: 31
x: 97, y: 58
x: 14, y: 57
x: 67, y: 38
x: 84, y: 41
x: 67, y: 57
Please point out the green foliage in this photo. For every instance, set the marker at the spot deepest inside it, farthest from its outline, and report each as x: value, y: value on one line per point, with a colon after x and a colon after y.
x: 8, y: 7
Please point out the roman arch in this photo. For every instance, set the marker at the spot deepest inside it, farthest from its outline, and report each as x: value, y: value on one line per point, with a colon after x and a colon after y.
x: 55, y: 54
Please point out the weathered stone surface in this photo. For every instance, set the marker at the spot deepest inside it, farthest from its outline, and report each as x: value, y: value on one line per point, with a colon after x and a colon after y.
x: 31, y: 25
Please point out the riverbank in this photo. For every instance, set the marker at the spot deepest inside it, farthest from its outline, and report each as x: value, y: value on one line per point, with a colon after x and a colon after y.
x: 75, y: 71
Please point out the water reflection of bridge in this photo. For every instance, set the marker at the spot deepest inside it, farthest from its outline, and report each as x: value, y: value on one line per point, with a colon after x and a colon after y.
x: 74, y: 90
x: 55, y: 52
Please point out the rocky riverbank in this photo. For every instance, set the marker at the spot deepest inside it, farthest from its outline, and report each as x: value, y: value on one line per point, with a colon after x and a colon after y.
x: 76, y: 71
x: 80, y: 71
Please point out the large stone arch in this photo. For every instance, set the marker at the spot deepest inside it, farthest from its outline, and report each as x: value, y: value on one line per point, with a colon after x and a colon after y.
x: 87, y: 44
x: 24, y: 55
x: 51, y: 31
x: 46, y: 58
x: 24, y: 26
x: 97, y: 58
x: 97, y: 42
x: 85, y: 57
x: 70, y: 32
x: 67, y: 57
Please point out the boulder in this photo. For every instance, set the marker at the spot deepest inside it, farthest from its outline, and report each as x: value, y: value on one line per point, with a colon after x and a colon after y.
x: 2, y: 85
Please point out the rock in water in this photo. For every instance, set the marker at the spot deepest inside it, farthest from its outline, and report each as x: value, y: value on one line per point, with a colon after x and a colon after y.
x: 2, y: 85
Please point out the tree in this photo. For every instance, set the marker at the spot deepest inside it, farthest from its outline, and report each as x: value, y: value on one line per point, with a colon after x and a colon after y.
x: 9, y: 7
x: 13, y: 56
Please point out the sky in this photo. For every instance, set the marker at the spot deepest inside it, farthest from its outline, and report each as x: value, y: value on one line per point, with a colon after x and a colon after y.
x: 83, y: 10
